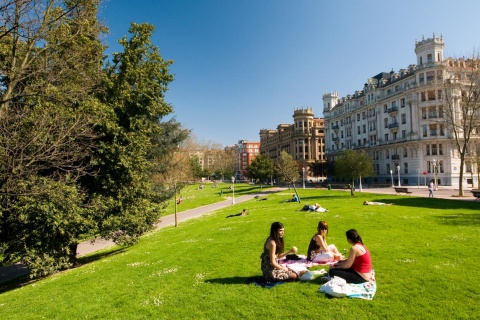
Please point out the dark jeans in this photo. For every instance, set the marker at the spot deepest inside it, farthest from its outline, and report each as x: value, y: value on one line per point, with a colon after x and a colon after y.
x: 348, y: 274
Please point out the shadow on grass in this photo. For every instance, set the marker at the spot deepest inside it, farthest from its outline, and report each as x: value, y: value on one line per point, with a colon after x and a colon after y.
x: 229, y: 280
x: 19, y: 275
x: 460, y: 219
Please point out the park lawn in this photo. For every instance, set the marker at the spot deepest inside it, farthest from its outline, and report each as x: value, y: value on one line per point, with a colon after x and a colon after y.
x: 424, y: 253
x: 194, y: 197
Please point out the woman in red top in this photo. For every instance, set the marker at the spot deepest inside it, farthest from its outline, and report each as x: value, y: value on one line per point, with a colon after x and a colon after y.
x: 357, y: 268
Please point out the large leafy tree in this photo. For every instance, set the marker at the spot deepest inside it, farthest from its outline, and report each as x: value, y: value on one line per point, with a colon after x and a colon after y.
x: 136, y: 81
x: 287, y: 169
x: 261, y: 168
x: 76, y: 136
x: 352, y: 164
x: 50, y: 70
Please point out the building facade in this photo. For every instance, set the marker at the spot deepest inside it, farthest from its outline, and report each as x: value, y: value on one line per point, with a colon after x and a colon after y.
x: 399, y: 120
x: 304, y: 139
x: 246, y: 151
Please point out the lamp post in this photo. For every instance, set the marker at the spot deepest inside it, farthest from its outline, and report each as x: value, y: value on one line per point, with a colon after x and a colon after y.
x: 435, y: 174
x: 303, y: 177
x: 233, y: 190
x: 391, y: 177
x: 398, y: 172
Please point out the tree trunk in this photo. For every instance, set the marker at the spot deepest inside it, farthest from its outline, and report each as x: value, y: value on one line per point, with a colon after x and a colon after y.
x: 352, y: 187
x: 299, y: 200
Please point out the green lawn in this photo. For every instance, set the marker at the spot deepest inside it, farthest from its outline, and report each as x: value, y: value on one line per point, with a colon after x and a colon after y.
x: 424, y: 252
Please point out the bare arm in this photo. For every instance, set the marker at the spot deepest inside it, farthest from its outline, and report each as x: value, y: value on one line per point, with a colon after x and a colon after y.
x: 347, y: 263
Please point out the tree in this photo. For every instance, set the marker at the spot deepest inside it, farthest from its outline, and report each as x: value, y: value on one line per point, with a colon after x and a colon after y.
x: 462, y: 108
x: 261, y: 168
x: 50, y: 59
x: 353, y: 164
x: 135, y: 84
x: 287, y: 170
x: 195, y: 167
x: 322, y: 169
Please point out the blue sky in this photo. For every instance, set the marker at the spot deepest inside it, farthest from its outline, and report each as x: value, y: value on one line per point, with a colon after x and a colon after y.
x: 245, y: 65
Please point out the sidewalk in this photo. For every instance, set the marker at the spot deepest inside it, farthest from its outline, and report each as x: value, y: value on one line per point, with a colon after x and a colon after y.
x: 17, y: 270
x: 422, y: 191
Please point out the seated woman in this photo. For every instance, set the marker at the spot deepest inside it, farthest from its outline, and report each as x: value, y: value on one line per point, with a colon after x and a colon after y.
x: 272, y: 251
x: 357, y: 268
x: 318, y: 249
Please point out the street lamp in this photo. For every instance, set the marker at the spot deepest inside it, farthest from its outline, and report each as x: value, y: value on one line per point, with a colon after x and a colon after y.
x: 233, y: 190
x: 435, y: 174
x: 391, y: 177
x: 303, y: 177
x: 398, y: 172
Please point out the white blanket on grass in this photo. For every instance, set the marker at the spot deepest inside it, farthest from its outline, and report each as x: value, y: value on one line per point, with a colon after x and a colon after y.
x: 338, y: 287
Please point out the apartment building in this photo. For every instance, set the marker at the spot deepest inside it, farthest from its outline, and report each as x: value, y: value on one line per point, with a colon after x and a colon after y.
x: 246, y: 151
x: 399, y: 120
x: 304, y: 139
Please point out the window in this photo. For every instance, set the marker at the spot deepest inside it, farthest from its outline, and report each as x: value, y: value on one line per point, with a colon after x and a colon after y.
x: 385, y: 108
x: 440, y: 149
x: 429, y: 58
x: 431, y: 95
x: 358, y: 129
x: 404, y: 118
x: 425, y: 130
x: 405, y: 152
x: 364, y: 128
x: 385, y: 121
x: 423, y: 97
x: 402, y: 103
x: 434, y: 149
x: 404, y: 134
x: 358, y: 116
x: 428, y: 149
x: 387, y: 154
x: 386, y: 137
x: 424, y: 113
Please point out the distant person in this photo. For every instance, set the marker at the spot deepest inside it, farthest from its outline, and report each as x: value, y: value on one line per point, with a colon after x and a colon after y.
x: 272, y: 252
x: 357, y: 268
x: 371, y: 203
x: 294, y: 198
x: 243, y: 213
x: 430, y: 188
x: 318, y: 249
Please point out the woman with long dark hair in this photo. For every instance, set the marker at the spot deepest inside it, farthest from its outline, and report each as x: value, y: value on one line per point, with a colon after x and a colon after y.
x: 357, y: 268
x: 272, y: 251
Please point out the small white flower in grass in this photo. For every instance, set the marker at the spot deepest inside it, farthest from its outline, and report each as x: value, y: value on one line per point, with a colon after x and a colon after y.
x: 137, y: 264
x: 156, y: 301
x: 189, y: 241
x: 163, y: 272
x: 408, y: 261
x: 225, y: 229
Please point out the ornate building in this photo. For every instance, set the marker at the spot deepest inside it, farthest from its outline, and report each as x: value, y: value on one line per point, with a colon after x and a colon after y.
x: 304, y: 139
x: 400, y: 119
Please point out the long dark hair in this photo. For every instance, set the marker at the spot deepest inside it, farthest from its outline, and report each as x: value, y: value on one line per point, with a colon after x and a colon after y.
x: 274, y: 236
x: 353, y: 236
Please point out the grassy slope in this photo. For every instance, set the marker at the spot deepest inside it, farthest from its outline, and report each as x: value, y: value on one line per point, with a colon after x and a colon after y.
x: 423, y: 251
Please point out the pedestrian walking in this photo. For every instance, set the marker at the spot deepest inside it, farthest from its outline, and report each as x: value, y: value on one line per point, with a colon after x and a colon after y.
x: 430, y: 189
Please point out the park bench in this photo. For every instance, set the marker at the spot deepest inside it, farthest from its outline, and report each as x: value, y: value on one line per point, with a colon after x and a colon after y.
x: 476, y: 194
x: 402, y: 190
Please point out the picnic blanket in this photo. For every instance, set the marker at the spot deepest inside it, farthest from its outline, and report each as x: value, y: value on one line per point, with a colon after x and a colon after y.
x: 302, y: 263
x: 338, y: 287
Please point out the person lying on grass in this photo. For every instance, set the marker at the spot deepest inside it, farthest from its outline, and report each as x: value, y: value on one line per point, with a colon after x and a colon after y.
x: 272, y: 251
x: 357, y: 268
x: 318, y: 249
x: 370, y: 203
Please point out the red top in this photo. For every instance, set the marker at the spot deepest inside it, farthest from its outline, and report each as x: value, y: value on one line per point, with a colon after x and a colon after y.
x: 363, y: 263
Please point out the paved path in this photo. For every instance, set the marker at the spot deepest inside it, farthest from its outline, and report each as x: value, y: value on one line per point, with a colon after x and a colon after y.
x: 14, y: 271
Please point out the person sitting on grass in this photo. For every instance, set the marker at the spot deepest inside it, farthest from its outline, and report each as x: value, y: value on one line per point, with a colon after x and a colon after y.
x: 357, y: 268
x: 272, y: 252
x: 294, y: 198
x: 370, y: 203
x: 243, y: 213
x: 318, y: 249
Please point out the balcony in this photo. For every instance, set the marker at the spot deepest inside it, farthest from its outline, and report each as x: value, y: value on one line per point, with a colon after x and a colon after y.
x: 393, y: 125
x: 395, y: 157
x: 393, y: 110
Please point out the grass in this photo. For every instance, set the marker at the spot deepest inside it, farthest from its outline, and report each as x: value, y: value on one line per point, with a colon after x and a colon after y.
x: 424, y: 251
